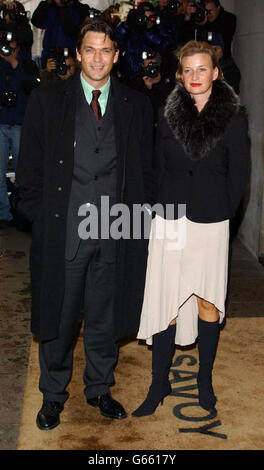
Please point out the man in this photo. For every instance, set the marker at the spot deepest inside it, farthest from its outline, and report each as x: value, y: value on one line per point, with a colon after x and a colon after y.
x: 171, y: 14
x: 156, y: 80
x: 220, y: 21
x: 228, y: 66
x: 15, y: 20
x: 18, y: 77
x: 61, y: 21
x: 69, y: 159
x: 52, y: 73
x: 139, y: 33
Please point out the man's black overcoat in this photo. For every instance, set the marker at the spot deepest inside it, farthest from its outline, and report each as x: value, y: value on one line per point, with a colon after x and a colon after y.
x: 44, y: 173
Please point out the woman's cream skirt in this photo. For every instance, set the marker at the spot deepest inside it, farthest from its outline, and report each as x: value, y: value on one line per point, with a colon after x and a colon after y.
x: 186, y: 259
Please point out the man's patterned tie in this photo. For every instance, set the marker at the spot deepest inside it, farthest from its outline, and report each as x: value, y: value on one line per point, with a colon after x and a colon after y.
x: 95, y: 104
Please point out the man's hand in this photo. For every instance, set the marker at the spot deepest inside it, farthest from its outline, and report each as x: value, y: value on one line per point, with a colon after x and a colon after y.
x: 51, y: 65
x: 11, y: 59
x: 190, y: 9
x: 149, y: 82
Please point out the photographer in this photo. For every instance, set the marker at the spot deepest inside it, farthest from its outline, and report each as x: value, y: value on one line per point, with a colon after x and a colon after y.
x: 192, y: 26
x: 155, y: 81
x: 227, y: 64
x: 58, y: 67
x: 14, y: 19
x: 61, y: 20
x: 171, y: 13
x: 18, y: 77
x: 140, y: 32
x: 220, y: 21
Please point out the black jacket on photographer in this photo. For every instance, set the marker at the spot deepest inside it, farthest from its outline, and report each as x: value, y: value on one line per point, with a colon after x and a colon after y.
x: 193, y: 29
x: 171, y: 21
x: 189, y: 30
x: 21, y: 81
x: 61, y: 25
x: 133, y: 40
x: 225, y: 23
x: 158, y: 93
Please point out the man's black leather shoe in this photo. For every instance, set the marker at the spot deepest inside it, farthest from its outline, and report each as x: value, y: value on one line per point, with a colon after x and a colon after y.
x: 109, y: 407
x: 49, y: 415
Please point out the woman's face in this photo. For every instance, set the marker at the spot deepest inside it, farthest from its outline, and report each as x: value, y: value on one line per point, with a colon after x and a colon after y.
x: 198, y: 74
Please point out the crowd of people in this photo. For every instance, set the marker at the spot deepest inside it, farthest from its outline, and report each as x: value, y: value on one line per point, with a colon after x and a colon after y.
x: 163, y: 75
x: 147, y: 39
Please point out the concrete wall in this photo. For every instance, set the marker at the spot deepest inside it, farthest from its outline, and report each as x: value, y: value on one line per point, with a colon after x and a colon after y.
x: 229, y: 5
x: 248, y: 51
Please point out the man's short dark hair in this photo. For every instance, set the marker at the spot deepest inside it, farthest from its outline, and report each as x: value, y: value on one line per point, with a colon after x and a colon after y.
x: 146, y: 6
x: 97, y: 25
x: 19, y: 6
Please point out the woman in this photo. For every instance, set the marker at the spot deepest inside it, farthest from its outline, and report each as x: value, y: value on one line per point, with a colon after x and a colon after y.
x: 203, y: 150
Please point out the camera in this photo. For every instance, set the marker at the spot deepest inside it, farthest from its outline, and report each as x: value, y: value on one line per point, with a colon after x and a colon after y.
x: 8, y: 99
x: 137, y: 19
x: 151, y: 70
x: 93, y: 13
x: 206, y: 36
x: 60, y: 54
x: 153, y: 19
x: 173, y: 6
x: 200, y: 13
x: 15, y: 15
x: 5, y: 39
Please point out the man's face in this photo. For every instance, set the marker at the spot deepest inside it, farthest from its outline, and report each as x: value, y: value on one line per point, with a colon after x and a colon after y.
x: 15, y: 48
x: 213, y: 11
x: 163, y: 3
x: 190, y: 8
x: 218, y: 51
x: 97, y: 56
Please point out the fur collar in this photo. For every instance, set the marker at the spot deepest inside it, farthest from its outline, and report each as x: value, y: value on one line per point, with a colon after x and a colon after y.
x: 200, y: 132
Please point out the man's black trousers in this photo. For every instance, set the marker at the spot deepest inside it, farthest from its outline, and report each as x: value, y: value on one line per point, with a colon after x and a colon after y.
x: 89, y: 286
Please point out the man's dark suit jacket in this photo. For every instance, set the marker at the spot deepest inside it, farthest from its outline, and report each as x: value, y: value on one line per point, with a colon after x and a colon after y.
x: 46, y: 164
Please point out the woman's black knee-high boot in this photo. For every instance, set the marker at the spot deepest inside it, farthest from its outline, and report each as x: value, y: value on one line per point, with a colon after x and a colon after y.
x: 208, y: 334
x: 162, y: 352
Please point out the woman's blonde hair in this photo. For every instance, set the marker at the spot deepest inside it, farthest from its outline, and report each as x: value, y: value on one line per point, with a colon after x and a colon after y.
x: 197, y: 47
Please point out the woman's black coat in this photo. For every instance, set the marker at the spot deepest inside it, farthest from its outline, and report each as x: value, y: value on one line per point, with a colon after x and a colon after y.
x: 46, y: 163
x: 203, y: 158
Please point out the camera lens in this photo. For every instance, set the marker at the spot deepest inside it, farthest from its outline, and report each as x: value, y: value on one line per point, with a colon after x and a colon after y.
x: 5, y: 48
x: 9, y: 98
x: 152, y: 69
